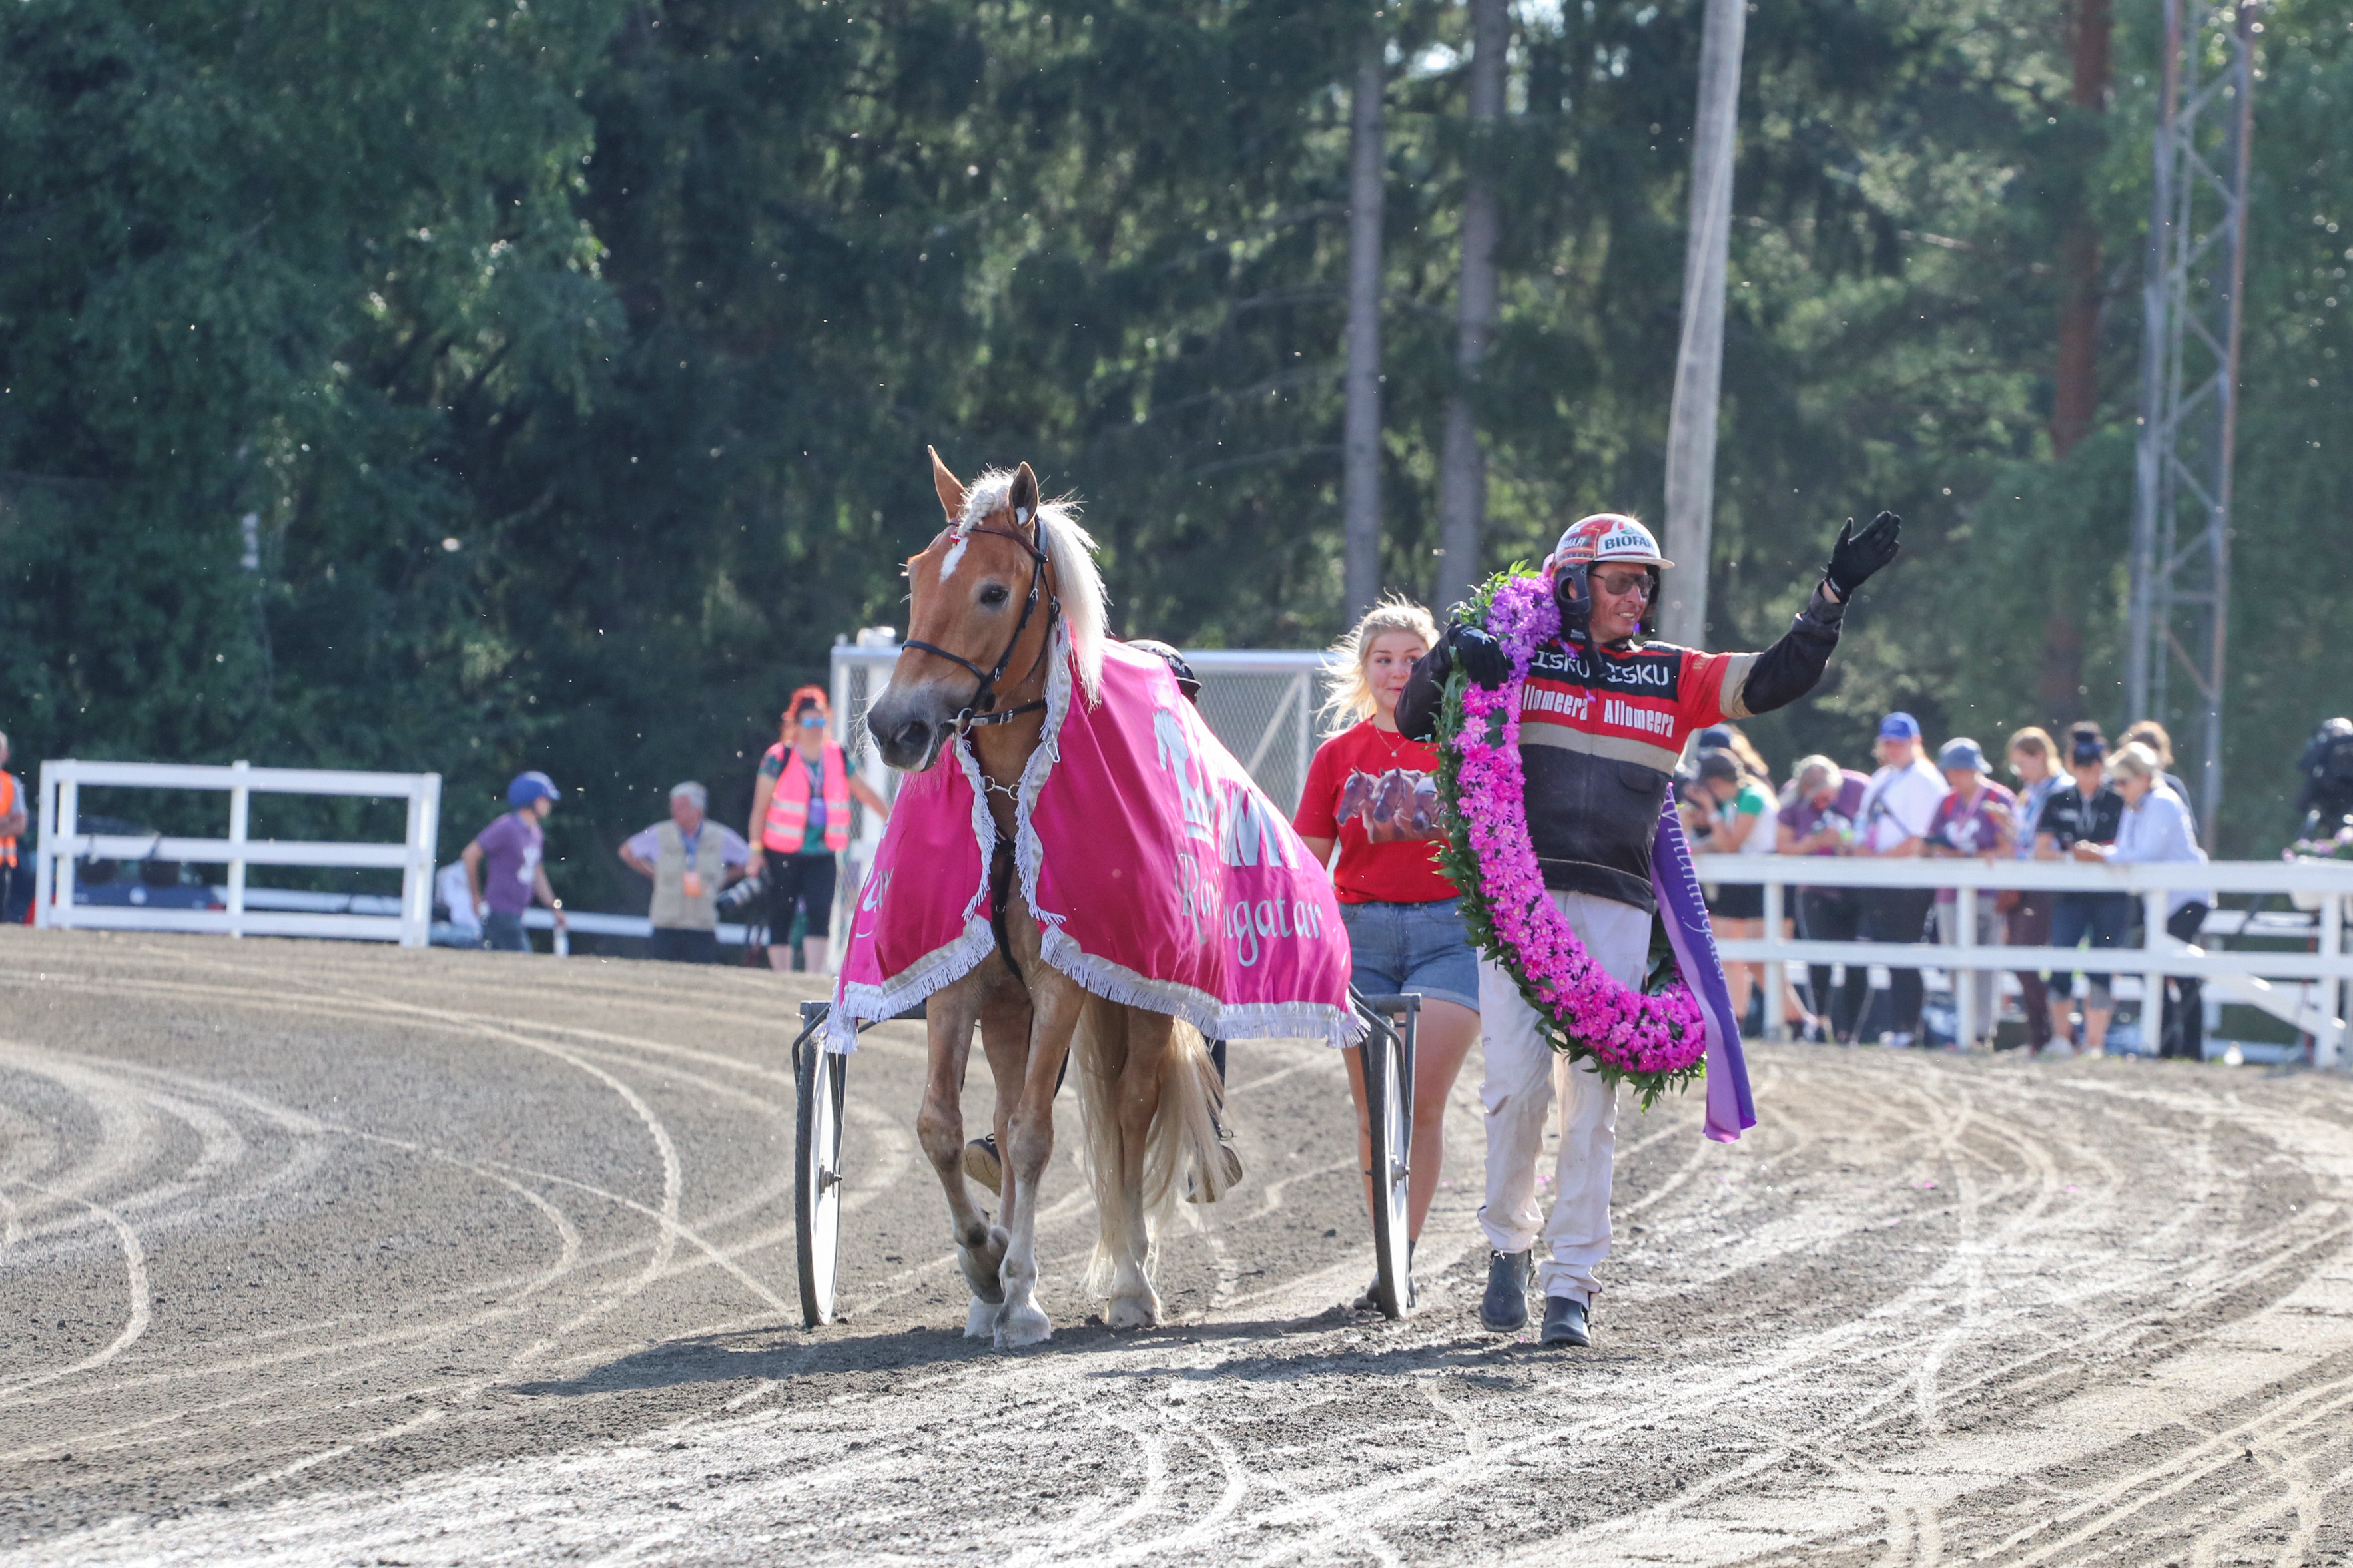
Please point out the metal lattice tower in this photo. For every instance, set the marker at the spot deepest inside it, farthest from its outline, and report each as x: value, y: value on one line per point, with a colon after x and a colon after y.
x: 2189, y: 382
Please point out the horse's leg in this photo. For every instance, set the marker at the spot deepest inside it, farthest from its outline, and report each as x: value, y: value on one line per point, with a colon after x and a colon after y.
x: 1005, y: 1037
x: 939, y: 1126
x: 1055, y: 1004
x: 1136, y: 1102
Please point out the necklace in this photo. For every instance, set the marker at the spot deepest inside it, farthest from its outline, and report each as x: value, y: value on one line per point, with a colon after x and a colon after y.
x: 1394, y: 739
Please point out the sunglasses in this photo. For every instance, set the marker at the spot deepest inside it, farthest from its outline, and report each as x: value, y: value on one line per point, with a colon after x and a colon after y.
x: 1618, y: 583
x: 812, y: 718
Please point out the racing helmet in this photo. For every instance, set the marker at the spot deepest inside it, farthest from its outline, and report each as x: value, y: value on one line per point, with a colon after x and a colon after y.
x: 531, y: 787
x: 1592, y: 541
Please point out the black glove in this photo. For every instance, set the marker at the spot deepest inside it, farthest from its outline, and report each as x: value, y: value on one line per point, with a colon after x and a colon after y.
x: 1481, y: 657
x: 1856, y: 556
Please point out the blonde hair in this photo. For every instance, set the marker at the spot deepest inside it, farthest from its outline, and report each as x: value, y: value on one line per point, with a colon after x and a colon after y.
x: 1745, y: 750
x: 1350, y: 701
x: 2035, y: 741
x: 2151, y: 733
x: 1078, y: 581
x: 2133, y: 761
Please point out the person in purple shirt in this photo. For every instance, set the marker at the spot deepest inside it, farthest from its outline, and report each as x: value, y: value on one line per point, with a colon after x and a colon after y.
x: 1825, y: 802
x: 504, y: 868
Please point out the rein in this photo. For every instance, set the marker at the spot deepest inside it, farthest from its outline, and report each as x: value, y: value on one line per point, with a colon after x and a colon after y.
x: 976, y: 713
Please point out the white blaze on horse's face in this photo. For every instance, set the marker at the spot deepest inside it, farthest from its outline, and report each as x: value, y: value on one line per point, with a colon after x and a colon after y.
x: 959, y: 623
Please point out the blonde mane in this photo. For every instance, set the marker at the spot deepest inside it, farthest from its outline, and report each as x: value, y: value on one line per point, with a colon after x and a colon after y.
x: 1071, y: 551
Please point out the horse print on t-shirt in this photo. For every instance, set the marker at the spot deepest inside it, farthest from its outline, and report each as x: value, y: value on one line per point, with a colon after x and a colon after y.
x: 1393, y: 807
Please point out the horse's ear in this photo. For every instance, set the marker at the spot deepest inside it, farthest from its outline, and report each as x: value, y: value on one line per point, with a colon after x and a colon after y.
x: 951, y: 489
x: 1022, y: 497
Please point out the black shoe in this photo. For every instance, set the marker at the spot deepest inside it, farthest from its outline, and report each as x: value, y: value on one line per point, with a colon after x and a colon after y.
x: 982, y: 1164
x: 1506, y: 1306
x: 1565, y: 1321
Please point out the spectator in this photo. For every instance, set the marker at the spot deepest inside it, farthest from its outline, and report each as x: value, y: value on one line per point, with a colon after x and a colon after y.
x: 1728, y: 738
x: 1896, y: 811
x: 688, y: 866
x: 1826, y: 801
x: 1978, y: 819
x: 2077, y: 820
x: 1744, y: 820
x: 2158, y: 826
x: 2151, y: 733
x: 1371, y: 796
x: 15, y: 890
x: 504, y: 866
x: 2034, y: 763
x: 800, y: 818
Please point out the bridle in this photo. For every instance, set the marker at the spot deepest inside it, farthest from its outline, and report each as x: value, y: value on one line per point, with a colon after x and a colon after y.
x: 976, y: 713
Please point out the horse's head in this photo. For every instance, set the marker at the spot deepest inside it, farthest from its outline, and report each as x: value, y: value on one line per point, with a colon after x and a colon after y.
x: 980, y: 611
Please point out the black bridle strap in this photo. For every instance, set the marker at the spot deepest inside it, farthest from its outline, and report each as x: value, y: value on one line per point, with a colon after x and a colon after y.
x: 976, y: 713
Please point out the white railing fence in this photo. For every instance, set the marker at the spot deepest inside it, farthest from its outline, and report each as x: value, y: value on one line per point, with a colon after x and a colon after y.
x: 63, y: 844
x: 2316, y: 1005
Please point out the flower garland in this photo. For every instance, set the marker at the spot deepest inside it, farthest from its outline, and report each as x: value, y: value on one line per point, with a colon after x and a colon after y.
x: 1656, y: 1040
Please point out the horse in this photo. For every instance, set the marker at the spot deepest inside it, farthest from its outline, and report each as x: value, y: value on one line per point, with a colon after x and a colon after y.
x: 994, y: 585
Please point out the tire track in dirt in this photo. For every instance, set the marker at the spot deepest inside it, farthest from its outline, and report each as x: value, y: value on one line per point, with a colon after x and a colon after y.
x: 1835, y: 1339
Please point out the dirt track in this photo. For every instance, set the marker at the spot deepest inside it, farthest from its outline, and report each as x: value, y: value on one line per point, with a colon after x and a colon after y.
x: 317, y: 1255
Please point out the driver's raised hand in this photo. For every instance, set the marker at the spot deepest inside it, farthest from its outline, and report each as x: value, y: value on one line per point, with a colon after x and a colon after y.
x: 1856, y: 556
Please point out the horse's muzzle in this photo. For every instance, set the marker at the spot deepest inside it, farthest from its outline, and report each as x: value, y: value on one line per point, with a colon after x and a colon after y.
x: 905, y: 732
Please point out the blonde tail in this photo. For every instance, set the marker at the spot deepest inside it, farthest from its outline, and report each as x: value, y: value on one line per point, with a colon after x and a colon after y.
x: 1181, y: 1152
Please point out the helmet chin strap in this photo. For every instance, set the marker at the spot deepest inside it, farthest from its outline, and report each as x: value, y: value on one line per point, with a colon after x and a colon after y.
x: 1574, y: 594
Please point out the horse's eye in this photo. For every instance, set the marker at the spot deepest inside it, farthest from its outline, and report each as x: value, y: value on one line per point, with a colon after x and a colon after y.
x: 994, y: 595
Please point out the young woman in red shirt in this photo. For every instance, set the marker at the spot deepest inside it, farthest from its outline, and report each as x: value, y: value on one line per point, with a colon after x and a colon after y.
x: 1372, y: 794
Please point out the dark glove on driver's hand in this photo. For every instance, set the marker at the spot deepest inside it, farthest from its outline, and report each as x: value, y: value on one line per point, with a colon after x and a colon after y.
x: 1483, y: 658
x: 1856, y: 556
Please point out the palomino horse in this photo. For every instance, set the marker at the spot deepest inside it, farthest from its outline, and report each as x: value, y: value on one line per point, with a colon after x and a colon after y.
x: 986, y: 598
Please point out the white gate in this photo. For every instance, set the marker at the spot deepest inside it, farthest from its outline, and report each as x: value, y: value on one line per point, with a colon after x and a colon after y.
x: 62, y: 844
x: 1261, y: 702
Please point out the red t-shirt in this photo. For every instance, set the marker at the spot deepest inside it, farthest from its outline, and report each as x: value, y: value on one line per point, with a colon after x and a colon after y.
x: 1377, y: 793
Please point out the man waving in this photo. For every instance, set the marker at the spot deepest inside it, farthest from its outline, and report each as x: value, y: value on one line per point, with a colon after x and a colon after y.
x: 1603, y: 717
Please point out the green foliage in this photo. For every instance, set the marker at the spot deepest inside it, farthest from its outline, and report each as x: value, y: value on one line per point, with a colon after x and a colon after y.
x: 577, y: 363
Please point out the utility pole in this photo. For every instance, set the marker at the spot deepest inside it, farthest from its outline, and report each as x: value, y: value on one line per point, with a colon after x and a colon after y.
x: 1360, y: 472
x: 2190, y: 385
x: 1462, y: 465
x: 1699, y: 363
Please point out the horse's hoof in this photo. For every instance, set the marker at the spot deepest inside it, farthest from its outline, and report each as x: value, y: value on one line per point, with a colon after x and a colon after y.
x: 1134, y: 1312
x: 981, y: 1274
x: 981, y: 1321
x: 1018, y: 1326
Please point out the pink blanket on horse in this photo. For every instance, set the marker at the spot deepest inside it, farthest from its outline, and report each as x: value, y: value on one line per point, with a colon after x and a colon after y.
x: 1163, y: 876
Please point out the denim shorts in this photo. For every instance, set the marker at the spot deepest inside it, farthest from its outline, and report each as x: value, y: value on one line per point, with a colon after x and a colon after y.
x: 1412, y: 947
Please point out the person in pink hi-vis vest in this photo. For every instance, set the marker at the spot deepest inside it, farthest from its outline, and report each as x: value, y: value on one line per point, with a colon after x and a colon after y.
x: 800, y: 820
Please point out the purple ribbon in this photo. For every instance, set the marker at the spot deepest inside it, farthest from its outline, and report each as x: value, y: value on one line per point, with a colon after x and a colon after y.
x: 1730, y: 1109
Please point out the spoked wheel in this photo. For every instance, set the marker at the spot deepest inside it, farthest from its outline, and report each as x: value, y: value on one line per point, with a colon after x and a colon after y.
x: 1388, y: 1102
x: 817, y: 1185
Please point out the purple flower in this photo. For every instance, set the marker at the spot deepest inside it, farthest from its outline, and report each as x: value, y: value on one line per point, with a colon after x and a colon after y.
x: 1649, y: 1038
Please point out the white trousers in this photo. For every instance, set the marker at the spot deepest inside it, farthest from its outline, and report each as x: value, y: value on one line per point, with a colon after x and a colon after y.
x: 1523, y: 1077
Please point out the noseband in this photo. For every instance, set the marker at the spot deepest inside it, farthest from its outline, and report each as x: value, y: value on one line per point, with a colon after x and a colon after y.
x: 976, y: 714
